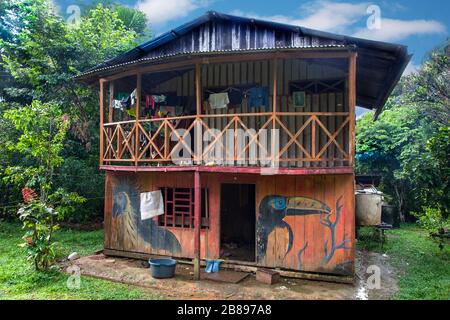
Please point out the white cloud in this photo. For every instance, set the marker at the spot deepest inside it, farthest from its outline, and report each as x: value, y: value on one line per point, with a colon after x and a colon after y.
x: 343, y: 17
x: 320, y: 14
x: 332, y: 16
x: 395, y: 30
x: 161, y: 11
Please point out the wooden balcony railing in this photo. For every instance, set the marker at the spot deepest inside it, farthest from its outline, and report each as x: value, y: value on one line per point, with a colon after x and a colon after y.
x: 319, y: 139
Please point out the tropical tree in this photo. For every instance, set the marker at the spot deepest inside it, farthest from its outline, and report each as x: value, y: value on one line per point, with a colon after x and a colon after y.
x: 42, y: 130
x: 42, y: 53
x: 408, y: 145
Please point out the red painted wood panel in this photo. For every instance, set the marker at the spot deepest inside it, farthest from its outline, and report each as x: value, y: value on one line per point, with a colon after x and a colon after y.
x: 308, y: 205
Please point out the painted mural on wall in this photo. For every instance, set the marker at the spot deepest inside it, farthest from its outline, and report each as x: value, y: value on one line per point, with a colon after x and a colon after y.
x: 274, y: 209
x: 126, y: 202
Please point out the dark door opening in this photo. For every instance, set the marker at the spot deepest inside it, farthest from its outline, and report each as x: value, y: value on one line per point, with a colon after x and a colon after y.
x: 237, y: 222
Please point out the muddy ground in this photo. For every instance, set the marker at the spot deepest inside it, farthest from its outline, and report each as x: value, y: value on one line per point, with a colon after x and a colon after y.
x: 182, y: 286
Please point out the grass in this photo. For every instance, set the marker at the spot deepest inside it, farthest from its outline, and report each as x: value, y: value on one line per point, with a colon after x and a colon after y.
x: 423, y: 270
x: 18, y: 280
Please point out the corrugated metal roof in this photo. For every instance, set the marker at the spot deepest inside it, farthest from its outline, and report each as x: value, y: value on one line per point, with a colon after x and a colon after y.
x: 139, y: 51
x: 190, y: 53
x: 379, y: 65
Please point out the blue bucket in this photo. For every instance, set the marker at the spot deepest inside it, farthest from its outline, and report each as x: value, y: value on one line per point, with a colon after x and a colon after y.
x: 162, y: 268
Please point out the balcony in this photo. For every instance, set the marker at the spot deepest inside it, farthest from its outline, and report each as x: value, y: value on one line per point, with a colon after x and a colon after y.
x: 319, y: 135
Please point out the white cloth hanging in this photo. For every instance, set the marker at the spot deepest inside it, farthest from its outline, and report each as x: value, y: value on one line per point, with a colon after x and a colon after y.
x: 219, y: 100
x: 133, y: 96
x: 152, y: 204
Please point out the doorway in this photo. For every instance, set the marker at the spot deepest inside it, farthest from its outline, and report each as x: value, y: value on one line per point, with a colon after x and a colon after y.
x: 237, y: 222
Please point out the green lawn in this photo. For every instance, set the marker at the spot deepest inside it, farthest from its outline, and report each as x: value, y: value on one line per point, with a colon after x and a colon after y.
x: 18, y: 280
x: 423, y: 270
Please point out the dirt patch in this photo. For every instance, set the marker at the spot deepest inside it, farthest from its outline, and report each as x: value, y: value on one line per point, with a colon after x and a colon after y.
x: 135, y: 272
x: 92, y: 226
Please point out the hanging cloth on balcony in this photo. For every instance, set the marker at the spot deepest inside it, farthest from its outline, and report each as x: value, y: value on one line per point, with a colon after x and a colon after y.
x: 133, y: 97
x: 152, y: 204
x: 219, y: 100
x: 258, y: 97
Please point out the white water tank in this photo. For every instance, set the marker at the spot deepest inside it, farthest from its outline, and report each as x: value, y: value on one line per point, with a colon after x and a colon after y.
x: 368, y: 207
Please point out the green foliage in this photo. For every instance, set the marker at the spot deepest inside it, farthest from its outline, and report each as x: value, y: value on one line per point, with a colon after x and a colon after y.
x: 409, y: 143
x: 18, y: 281
x: 436, y: 224
x: 99, y: 36
x: 437, y: 159
x: 39, y: 221
x: 43, y: 54
x: 433, y: 220
x: 421, y: 268
x: 42, y: 131
x: 133, y: 19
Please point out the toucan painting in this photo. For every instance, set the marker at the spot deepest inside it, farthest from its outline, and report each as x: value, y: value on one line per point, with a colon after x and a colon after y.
x: 272, y: 211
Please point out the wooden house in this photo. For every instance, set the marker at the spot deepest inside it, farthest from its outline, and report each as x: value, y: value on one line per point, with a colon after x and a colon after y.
x: 172, y: 115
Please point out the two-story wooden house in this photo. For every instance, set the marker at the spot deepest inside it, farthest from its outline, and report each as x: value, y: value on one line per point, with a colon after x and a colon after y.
x: 247, y: 128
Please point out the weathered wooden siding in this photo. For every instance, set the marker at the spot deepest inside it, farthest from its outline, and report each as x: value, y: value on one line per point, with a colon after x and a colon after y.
x: 312, y: 248
x: 261, y: 73
x: 223, y: 35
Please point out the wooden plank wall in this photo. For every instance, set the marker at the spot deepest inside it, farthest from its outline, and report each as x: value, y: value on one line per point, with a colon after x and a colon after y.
x: 310, y: 236
x: 221, y: 35
x: 261, y: 73
x: 148, y: 236
x: 312, y: 245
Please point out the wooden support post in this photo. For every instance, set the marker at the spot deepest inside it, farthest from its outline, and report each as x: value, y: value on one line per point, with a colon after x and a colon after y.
x: 110, y: 114
x: 111, y: 101
x: 198, y: 150
x: 352, y: 105
x: 198, y: 89
x: 274, y: 109
x: 197, y: 224
x: 138, y: 110
x: 352, y: 138
x: 101, y: 95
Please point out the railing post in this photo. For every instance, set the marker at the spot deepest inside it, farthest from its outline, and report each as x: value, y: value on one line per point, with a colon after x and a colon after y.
x: 101, y: 95
x: 352, y: 105
x: 313, y: 137
x: 136, y: 125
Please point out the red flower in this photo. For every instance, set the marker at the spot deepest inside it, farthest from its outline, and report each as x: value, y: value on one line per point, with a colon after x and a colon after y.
x: 28, y: 195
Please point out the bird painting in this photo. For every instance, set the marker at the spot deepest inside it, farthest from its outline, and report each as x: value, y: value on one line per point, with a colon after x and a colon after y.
x: 272, y: 212
x: 126, y: 212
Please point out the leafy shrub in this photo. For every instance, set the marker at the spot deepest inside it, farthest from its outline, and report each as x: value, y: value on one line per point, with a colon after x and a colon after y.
x: 432, y: 220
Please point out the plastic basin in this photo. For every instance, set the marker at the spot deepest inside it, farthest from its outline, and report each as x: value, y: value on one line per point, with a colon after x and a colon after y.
x: 162, y: 268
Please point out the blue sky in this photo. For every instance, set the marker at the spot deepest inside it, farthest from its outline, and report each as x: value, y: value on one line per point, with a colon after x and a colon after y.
x: 421, y: 25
